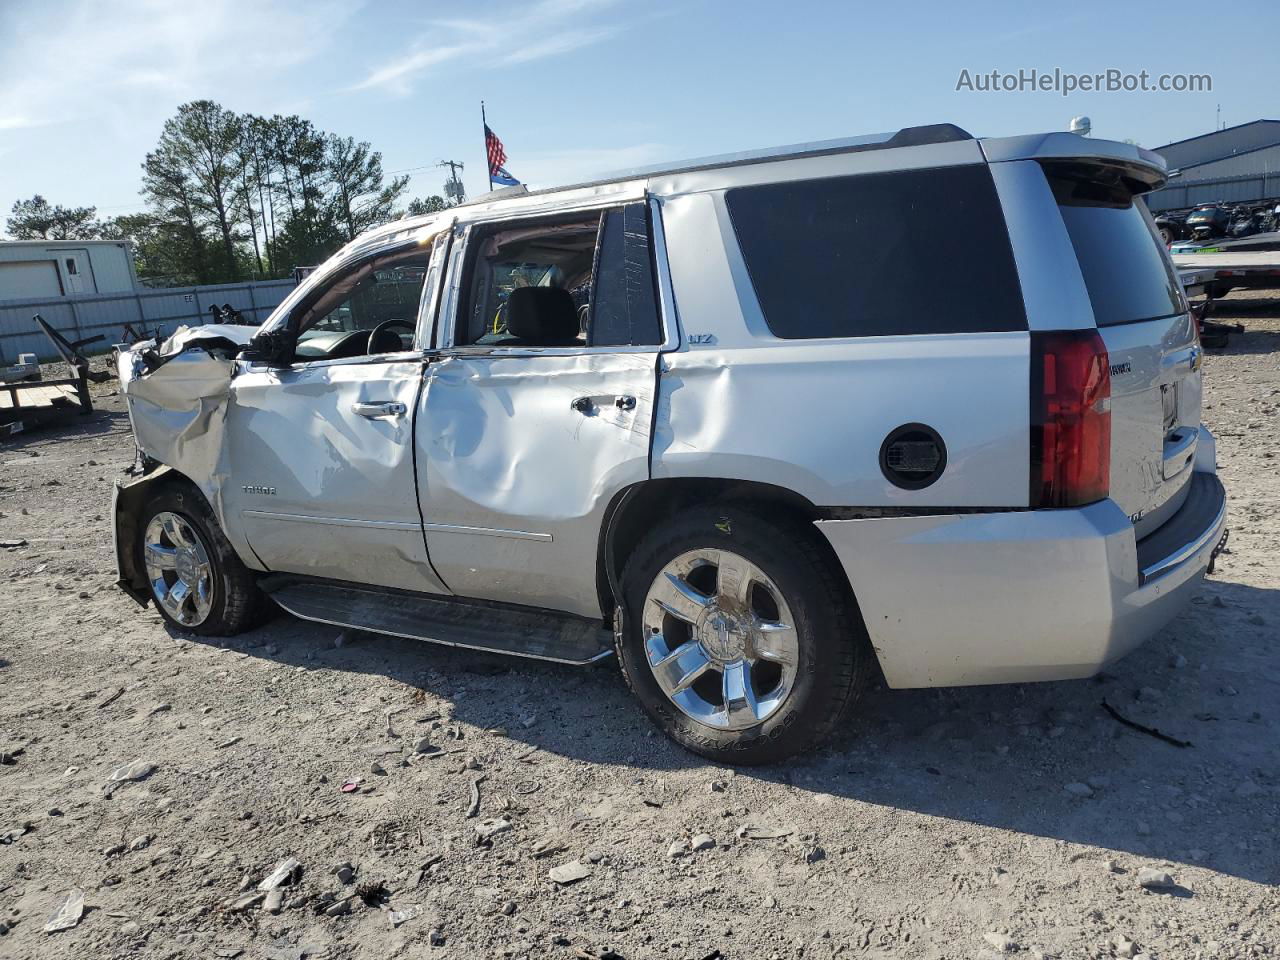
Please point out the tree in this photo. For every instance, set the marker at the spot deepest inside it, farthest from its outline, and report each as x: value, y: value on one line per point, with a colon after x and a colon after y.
x: 168, y: 187
x: 360, y: 197
x: 422, y: 205
x: 239, y: 195
x: 163, y: 251
x: 201, y: 145
x: 36, y: 219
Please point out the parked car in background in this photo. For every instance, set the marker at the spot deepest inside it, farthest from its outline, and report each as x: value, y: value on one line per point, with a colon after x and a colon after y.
x: 1172, y: 227
x: 1208, y: 221
x: 690, y: 417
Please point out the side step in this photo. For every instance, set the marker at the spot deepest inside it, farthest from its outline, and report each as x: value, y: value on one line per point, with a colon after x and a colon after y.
x: 475, y: 625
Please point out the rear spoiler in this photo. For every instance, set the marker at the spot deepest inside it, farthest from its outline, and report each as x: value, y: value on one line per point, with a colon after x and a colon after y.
x: 1145, y: 169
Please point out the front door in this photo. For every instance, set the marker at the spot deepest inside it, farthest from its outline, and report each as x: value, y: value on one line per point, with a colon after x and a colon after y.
x: 539, y: 408
x: 321, y: 452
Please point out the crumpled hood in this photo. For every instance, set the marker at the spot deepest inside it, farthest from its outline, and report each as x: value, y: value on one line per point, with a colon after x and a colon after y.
x: 177, y: 398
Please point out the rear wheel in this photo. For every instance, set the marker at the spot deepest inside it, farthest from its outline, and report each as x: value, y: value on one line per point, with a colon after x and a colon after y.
x: 738, y: 638
x: 197, y: 581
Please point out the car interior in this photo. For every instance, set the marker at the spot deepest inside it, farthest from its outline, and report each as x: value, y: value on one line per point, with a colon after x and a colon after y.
x: 371, y: 310
x: 531, y: 285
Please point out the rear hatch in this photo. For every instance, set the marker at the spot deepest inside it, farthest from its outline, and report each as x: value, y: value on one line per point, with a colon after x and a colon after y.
x: 1150, y: 337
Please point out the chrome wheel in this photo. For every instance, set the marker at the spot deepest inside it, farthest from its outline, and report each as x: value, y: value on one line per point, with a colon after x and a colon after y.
x: 720, y: 639
x: 178, y: 567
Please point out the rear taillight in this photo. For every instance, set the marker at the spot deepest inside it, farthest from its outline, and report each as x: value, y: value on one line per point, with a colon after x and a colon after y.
x: 1070, y: 418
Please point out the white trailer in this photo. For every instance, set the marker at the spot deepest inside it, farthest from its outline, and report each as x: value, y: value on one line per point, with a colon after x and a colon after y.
x: 32, y: 269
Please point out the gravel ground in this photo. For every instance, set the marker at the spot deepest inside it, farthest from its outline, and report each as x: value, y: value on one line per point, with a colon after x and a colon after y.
x: 943, y: 824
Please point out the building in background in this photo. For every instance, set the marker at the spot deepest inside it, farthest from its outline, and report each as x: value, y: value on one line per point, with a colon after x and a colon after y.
x: 1240, y: 164
x: 31, y: 269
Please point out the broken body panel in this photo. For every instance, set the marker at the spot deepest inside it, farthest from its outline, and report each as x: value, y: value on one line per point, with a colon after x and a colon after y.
x: 489, y: 473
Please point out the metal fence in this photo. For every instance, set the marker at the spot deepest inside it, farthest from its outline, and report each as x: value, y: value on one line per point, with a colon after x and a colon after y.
x: 88, y: 315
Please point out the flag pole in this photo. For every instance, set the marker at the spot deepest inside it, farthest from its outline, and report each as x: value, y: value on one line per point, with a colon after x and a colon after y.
x: 485, y: 122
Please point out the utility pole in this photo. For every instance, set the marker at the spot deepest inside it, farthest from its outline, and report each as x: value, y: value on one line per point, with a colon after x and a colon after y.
x: 453, y: 188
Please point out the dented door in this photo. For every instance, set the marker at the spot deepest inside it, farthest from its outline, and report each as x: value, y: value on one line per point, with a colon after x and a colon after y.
x: 518, y: 457
x: 321, y: 471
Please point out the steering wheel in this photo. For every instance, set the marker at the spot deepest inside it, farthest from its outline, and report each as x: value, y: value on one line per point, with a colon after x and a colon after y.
x: 384, y: 328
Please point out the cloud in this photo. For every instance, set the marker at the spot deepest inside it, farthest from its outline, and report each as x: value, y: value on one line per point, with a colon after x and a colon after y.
x: 555, y: 22
x: 65, y: 60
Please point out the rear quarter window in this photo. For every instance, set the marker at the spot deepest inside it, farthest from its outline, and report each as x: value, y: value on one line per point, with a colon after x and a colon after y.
x: 883, y: 254
x: 1120, y: 256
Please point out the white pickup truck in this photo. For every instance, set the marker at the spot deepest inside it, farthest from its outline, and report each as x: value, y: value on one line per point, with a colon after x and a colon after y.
x: 759, y: 425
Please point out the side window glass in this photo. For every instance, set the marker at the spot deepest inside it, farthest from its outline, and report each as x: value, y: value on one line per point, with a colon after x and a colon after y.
x: 624, y: 310
x: 577, y: 281
x: 372, y: 309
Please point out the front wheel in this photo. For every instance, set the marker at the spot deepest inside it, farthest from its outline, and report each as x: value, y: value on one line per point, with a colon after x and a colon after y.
x: 739, y: 638
x: 197, y: 581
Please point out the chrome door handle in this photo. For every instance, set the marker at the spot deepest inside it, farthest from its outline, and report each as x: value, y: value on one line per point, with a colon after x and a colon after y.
x: 588, y: 405
x: 384, y: 408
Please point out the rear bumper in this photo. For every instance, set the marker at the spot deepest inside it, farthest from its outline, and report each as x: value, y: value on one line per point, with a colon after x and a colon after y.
x: 1021, y: 596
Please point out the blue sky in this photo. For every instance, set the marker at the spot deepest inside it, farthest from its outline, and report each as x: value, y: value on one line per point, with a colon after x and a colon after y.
x: 576, y: 87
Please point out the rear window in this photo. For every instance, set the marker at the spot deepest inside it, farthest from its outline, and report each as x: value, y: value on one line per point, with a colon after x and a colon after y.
x: 883, y: 254
x: 1120, y: 256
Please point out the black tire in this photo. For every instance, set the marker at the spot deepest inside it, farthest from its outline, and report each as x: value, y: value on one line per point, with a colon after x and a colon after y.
x: 835, y: 655
x: 237, y: 603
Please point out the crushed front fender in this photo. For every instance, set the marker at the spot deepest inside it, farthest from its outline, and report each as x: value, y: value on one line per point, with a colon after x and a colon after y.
x: 177, y: 399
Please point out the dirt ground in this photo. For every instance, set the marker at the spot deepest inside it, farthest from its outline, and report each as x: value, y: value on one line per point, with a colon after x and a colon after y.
x: 943, y: 824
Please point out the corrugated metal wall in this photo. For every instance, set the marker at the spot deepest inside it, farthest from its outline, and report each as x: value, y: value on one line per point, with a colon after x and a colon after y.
x: 1238, y: 165
x: 107, y: 313
x: 1222, y: 143
x: 1239, y: 179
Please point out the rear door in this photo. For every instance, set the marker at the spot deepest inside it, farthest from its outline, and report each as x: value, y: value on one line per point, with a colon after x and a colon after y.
x: 1150, y: 337
x: 525, y: 437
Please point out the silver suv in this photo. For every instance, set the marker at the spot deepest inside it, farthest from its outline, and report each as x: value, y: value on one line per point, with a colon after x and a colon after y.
x: 760, y: 426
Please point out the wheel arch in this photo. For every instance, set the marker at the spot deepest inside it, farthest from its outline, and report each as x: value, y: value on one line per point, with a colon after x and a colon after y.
x: 128, y: 501
x: 636, y: 509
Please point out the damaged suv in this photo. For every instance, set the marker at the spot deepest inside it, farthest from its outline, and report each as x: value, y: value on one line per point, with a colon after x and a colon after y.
x: 753, y: 423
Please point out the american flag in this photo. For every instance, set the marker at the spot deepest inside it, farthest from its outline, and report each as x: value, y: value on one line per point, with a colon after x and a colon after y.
x: 497, y: 155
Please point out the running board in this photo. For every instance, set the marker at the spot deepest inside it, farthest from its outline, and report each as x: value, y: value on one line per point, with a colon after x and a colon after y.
x: 541, y: 635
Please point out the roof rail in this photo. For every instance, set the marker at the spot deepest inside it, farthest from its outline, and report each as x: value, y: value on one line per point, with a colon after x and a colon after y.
x: 517, y: 190
x: 906, y: 137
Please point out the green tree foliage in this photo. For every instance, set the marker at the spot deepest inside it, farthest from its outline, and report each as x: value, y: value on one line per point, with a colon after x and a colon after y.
x: 234, y: 197
x: 37, y: 219
x: 237, y: 197
x: 421, y: 205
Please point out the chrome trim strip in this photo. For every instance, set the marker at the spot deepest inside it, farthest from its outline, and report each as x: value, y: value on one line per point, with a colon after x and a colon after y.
x: 335, y: 521
x: 666, y: 294
x: 487, y: 532
x: 1184, y: 553
x: 444, y: 643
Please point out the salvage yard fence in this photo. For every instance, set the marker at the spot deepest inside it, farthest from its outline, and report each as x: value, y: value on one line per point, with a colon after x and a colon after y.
x: 87, y: 315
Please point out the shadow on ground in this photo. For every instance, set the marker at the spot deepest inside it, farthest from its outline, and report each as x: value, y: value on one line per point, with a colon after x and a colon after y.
x: 68, y: 427
x: 996, y: 756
